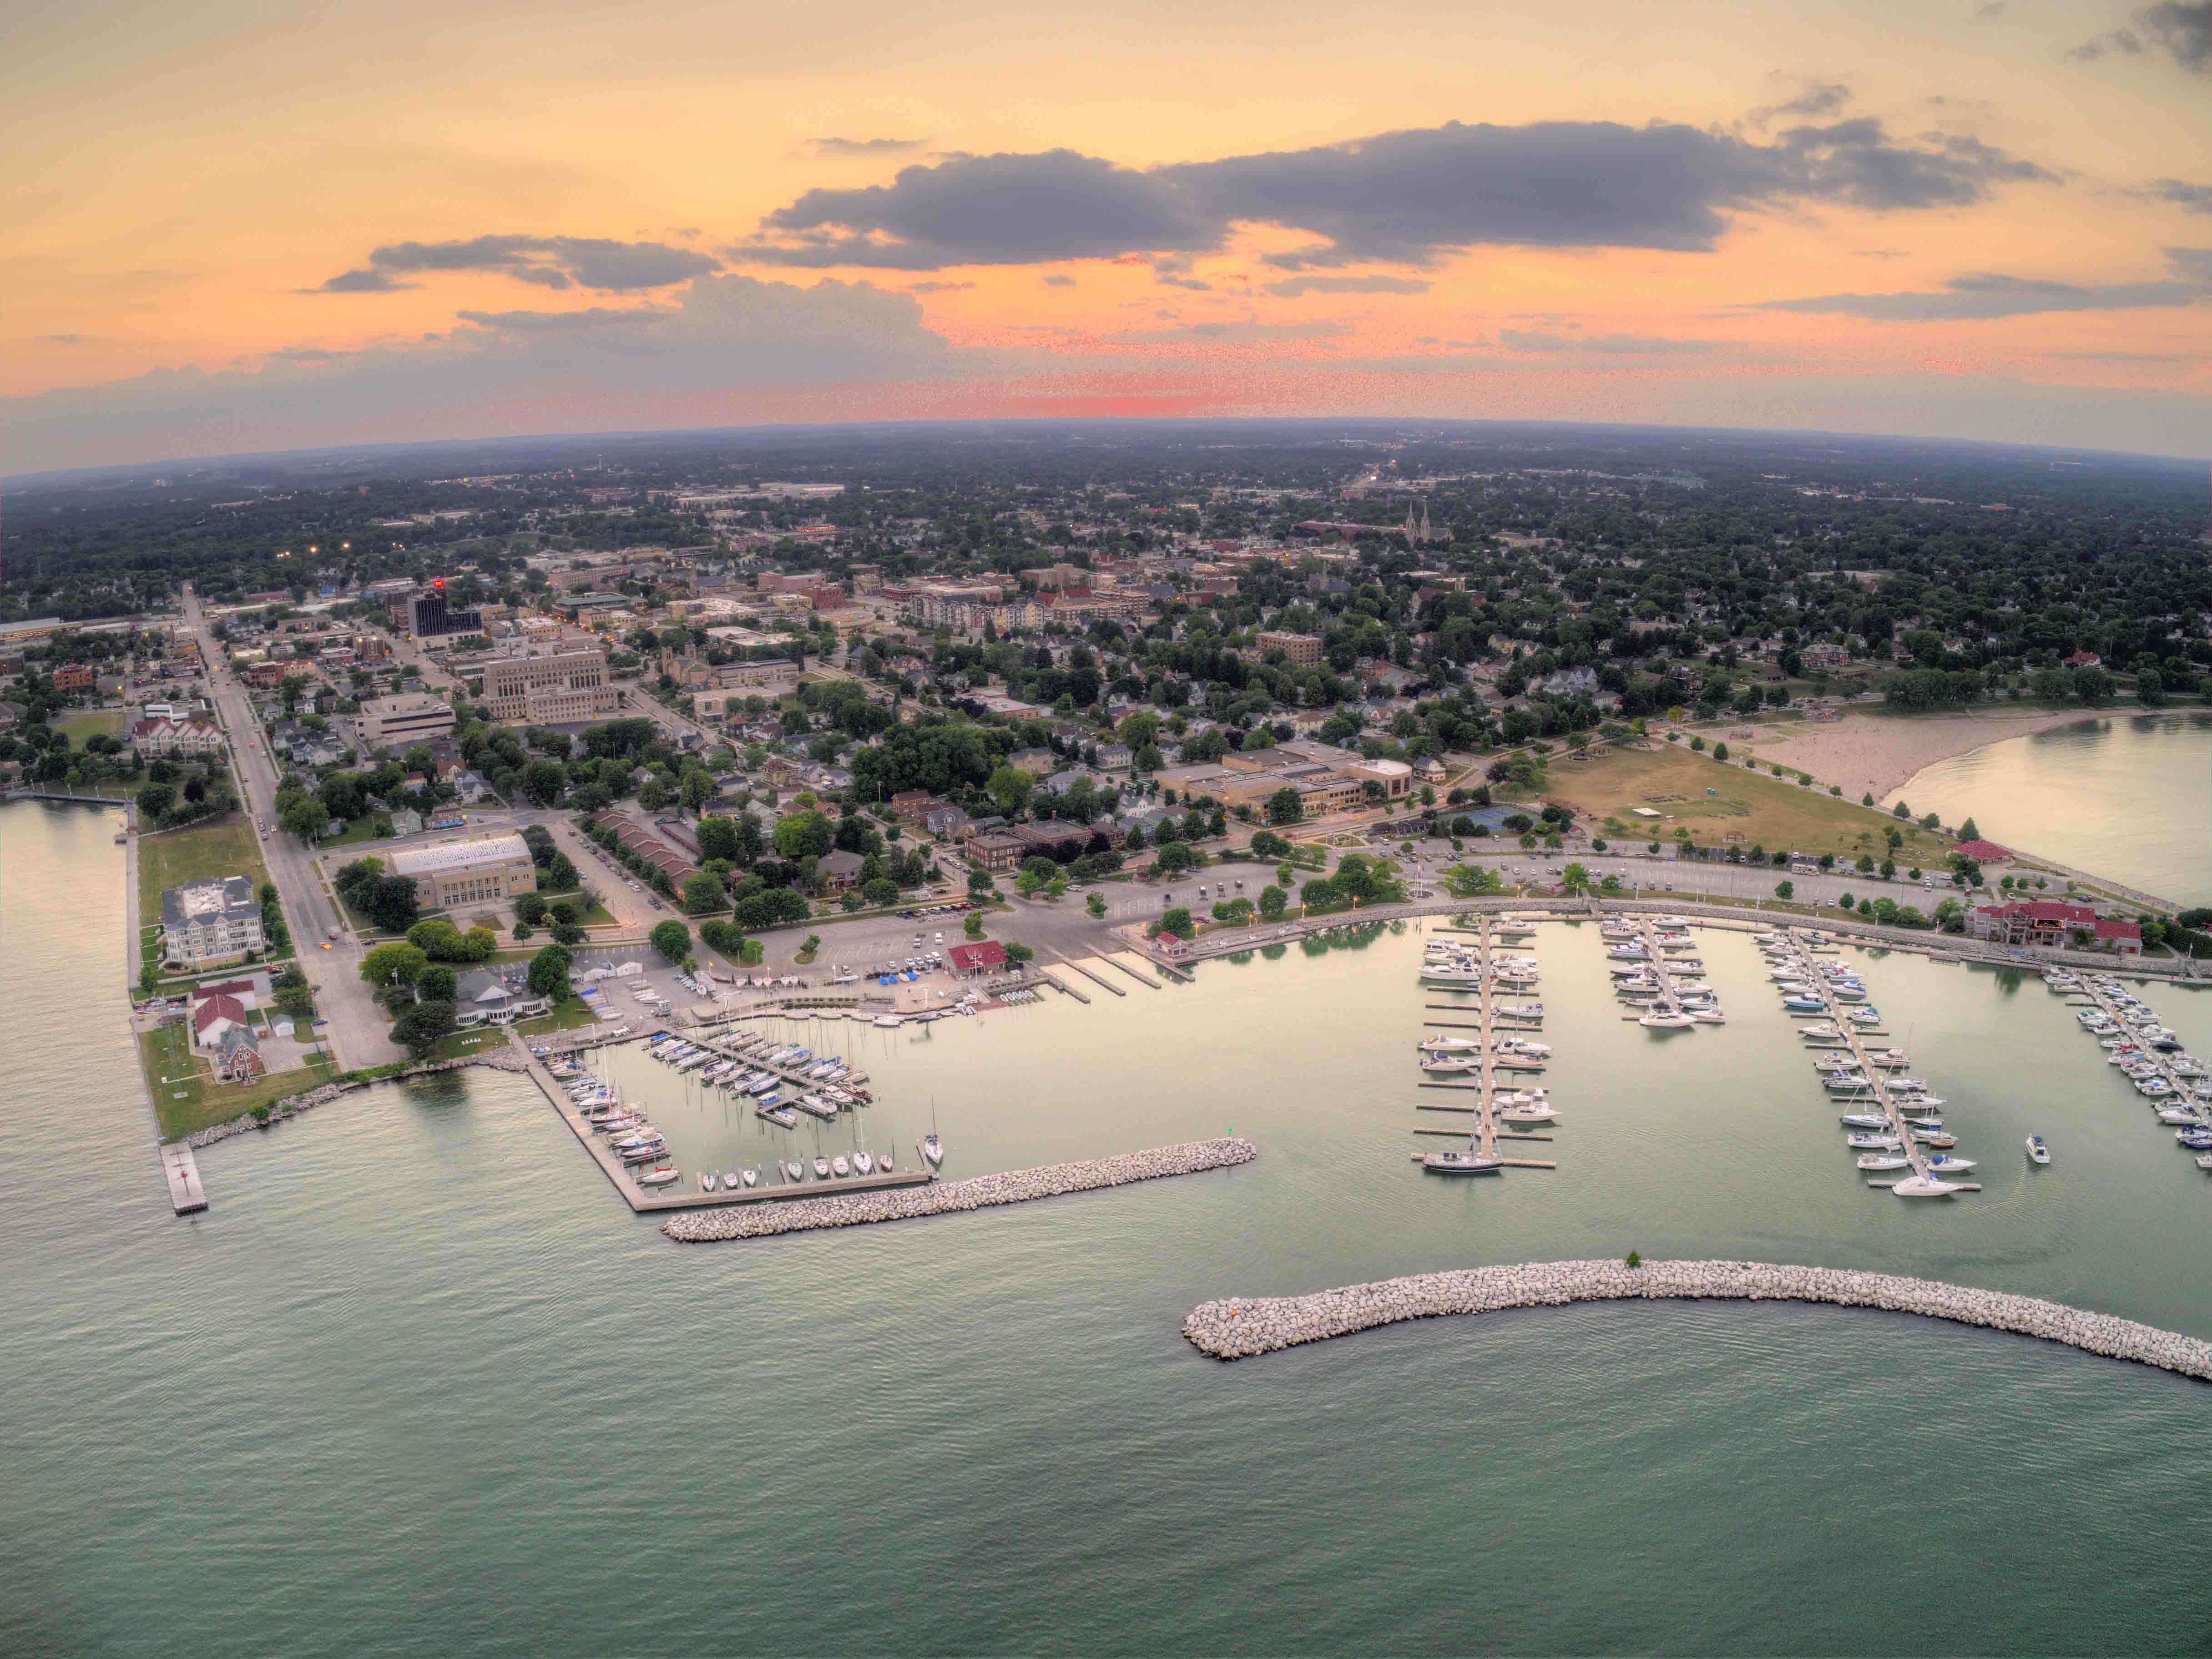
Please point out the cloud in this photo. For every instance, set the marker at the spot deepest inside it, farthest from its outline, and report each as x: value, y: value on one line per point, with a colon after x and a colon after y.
x: 1291, y: 286
x: 1980, y: 296
x: 2198, y: 198
x: 1405, y: 197
x: 1990, y: 10
x: 868, y: 146
x: 358, y: 282
x: 61, y: 339
x: 554, y: 262
x: 2180, y: 28
x: 1817, y: 100
x: 937, y: 288
x: 1060, y: 281
x: 1244, y: 333
x: 707, y: 355
x: 1611, y: 345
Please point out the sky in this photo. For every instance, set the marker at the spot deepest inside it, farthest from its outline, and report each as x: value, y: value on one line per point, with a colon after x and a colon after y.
x: 233, y: 227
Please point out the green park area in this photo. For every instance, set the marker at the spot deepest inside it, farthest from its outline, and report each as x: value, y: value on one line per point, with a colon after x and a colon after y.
x: 91, y: 723
x: 1722, y: 803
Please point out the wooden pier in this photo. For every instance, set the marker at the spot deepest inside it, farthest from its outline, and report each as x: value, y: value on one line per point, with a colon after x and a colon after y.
x: 1101, y: 983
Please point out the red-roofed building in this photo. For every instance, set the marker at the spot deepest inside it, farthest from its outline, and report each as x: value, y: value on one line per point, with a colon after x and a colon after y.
x: 212, y: 1016
x: 1984, y: 852
x: 2054, y: 924
x: 967, y: 960
x: 2085, y: 659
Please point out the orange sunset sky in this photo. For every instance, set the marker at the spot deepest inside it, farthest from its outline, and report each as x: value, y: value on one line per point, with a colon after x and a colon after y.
x: 233, y: 227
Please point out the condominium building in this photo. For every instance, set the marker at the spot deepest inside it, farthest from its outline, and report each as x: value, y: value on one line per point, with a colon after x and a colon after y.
x: 1299, y: 650
x: 411, y: 717
x: 207, y: 922
x: 558, y: 687
x: 487, y: 870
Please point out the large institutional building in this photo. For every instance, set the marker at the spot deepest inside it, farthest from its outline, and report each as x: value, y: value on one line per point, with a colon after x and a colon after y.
x: 411, y: 717
x: 561, y: 687
x: 207, y: 922
x: 488, y: 870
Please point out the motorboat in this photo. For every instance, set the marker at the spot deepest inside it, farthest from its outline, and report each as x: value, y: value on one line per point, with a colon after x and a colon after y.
x: 1938, y: 1136
x: 1888, y: 1058
x: 933, y: 1150
x: 1884, y: 1161
x: 1863, y: 1121
x: 1944, y: 1164
x: 1804, y: 1004
x: 2198, y: 1140
x: 1468, y: 1163
x: 1450, y: 1045
x: 708, y: 1181
x: 793, y: 1171
x: 1874, y: 1143
x: 1820, y: 1031
x: 2182, y: 1114
x: 1666, y: 1018
x: 2038, y: 1150
x: 822, y: 1169
x: 1868, y: 1015
x: 841, y: 1165
x: 659, y: 1178
x: 751, y: 1177
x: 1921, y: 1186
x: 1449, y: 1064
x: 883, y: 1160
x: 1528, y: 1112
x: 782, y: 1116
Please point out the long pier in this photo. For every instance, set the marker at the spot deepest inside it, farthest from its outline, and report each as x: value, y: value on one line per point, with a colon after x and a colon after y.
x: 2182, y: 1086
x: 732, y: 1049
x: 1916, y: 1157
x: 182, y: 1172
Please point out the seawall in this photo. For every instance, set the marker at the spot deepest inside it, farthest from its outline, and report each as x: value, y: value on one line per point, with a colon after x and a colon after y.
x: 947, y: 1197
x: 1241, y: 1326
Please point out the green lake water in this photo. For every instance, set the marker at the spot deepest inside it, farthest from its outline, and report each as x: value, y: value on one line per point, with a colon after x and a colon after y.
x: 419, y: 1382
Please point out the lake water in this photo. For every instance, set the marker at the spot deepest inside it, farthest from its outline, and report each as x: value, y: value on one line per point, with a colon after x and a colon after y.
x: 419, y: 1381
x: 2128, y: 796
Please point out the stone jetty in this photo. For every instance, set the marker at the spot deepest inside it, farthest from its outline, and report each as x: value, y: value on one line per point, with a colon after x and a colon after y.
x: 293, y: 1105
x: 1243, y: 1326
x: 945, y: 1197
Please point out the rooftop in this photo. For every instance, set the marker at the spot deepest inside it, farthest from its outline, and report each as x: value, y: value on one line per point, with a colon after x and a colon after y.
x: 456, y: 854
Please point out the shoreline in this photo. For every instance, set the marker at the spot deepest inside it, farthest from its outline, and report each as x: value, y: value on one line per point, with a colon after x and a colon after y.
x: 1880, y: 754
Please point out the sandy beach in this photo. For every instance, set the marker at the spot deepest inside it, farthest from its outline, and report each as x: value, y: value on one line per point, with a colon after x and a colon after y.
x: 1877, y: 753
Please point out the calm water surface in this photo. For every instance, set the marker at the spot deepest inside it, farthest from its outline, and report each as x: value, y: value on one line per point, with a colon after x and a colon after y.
x: 419, y: 1382
x: 2128, y: 796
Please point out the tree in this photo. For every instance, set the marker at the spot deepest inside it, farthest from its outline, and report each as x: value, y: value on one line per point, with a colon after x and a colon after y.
x: 805, y: 834
x: 672, y: 939
x: 295, y: 996
x: 1783, y: 890
x: 653, y: 794
x: 1284, y: 806
x: 437, y: 983
x: 973, y: 927
x: 1273, y: 899
x: 1575, y: 878
x: 1017, y: 954
x: 1009, y: 788
x: 1968, y: 832
x: 1095, y: 904
x: 1178, y: 923
x: 530, y: 908
x: 155, y: 801
x: 717, y: 839
x: 1720, y: 752
x: 880, y: 892
x: 543, y: 780
x: 394, y: 964
x: 548, y: 972
x: 697, y: 788
x: 307, y: 818
x: 425, y: 1025
x: 1175, y: 858
x: 702, y: 895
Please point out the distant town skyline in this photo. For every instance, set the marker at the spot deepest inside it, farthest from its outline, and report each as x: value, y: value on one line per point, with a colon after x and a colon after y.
x: 246, y: 231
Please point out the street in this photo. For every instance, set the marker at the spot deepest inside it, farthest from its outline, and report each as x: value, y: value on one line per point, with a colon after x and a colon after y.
x: 355, y: 1030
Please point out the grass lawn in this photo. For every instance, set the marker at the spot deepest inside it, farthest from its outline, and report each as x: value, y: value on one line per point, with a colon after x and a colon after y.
x: 572, y: 1014
x: 224, y: 849
x: 90, y: 723
x: 193, y: 1098
x: 1748, y: 808
x: 482, y: 1040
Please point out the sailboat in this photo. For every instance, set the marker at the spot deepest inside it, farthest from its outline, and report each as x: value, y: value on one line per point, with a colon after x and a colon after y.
x: 933, y: 1149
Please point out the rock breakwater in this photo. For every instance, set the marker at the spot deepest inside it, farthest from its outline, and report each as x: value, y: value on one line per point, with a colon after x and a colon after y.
x: 945, y: 1197
x: 1240, y: 1327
